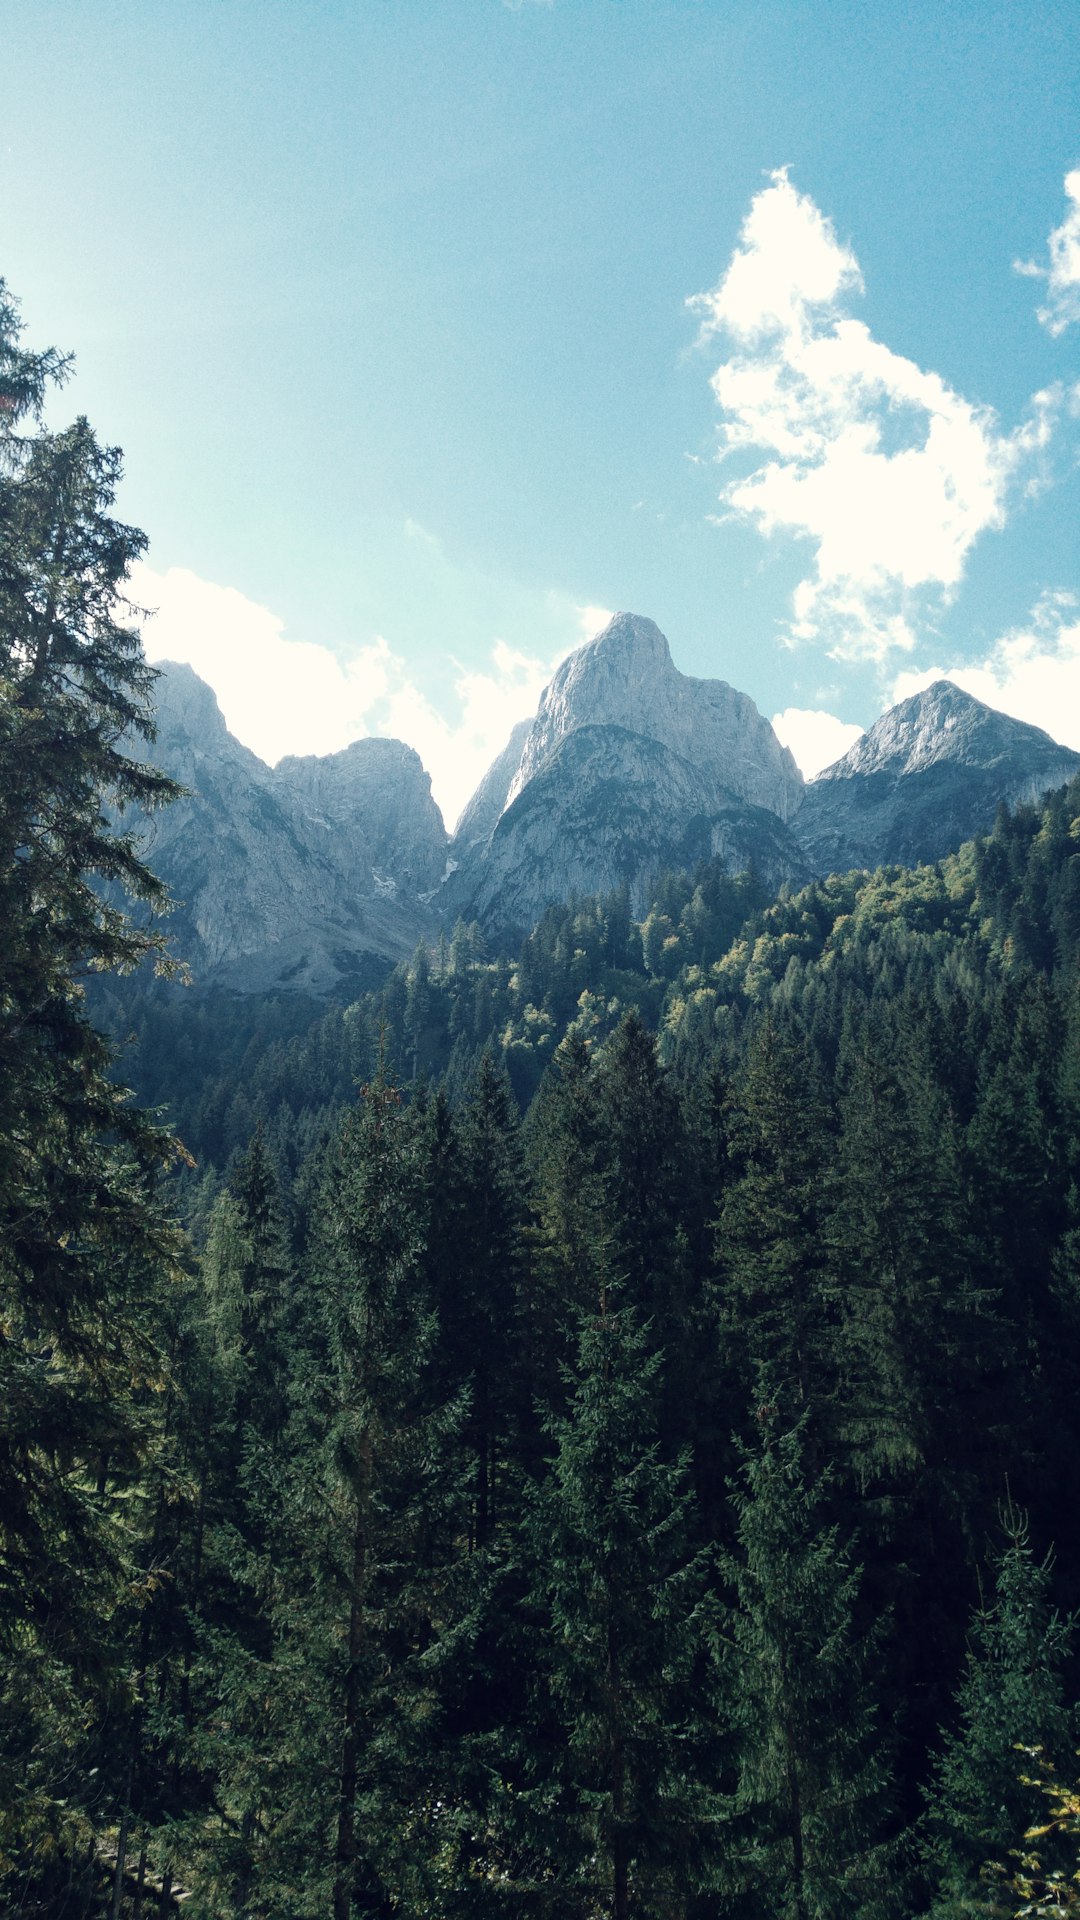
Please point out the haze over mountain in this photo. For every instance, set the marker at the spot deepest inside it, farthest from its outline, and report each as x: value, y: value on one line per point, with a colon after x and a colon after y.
x: 320, y: 872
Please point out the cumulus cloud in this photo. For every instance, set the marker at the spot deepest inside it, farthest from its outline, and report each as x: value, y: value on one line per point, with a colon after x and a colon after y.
x: 1032, y: 672
x: 816, y: 738
x: 1062, y: 276
x: 281, y: 696
x: 882, y: 466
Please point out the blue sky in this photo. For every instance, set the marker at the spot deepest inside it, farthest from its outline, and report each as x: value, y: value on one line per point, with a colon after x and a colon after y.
x: 387, y: 304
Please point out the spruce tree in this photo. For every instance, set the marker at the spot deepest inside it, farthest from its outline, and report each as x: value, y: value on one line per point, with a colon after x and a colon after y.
x: 771, y: 1250
x: 497, y: 1323
x: 626, y: 1739
x: 643, y: 1156
x: 375, y: 1512
x: 85, y: 1248
x: 1010, y: 1697
x: 813, y: 1792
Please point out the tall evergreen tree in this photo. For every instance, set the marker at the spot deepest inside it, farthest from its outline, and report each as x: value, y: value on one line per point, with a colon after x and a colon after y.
x: 625, y: 1813
x: 498, y: 1322
x: 1010, y: 1696
x: 643, y: 1176
x: 771, y: 1249
x: 377, y: 1516
x: 85, y: 1249
x: 813, y: 1780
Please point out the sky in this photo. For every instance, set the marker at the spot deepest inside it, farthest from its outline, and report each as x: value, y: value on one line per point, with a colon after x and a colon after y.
x: 435, y: 331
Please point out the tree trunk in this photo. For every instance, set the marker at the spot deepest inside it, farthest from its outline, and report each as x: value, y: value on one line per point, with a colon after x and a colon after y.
x: 140, y: 1883
x: 121, y: 1849
x: 620, y: 1844
x: 798, y: 1850
x: 345, y: 1851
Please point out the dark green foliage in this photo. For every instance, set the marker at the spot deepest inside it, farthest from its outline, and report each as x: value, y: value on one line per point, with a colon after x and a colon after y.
x: 87, y: 1254
x: 622, y: 1814
x: 813, y: 1793
x: 770, y: 1234
x: 409, y: 1548
x: 1010, y: 1697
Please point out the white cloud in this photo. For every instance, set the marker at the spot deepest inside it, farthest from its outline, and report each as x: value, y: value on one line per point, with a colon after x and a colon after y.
x: 881, y: 465
x: 1032, y: 672
x: 815, y: 738
x: 284, y: 696
x: 593, y: 620
x: 1062, y: 276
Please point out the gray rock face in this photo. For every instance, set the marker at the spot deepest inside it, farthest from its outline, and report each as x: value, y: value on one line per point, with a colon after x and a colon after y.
x: 491, y: 795
x: 927, y: 776
x: 308, y: 875
x: 611, y: 808
x: 628, y: 768
x: 626, y: 678
x: 374, y: 800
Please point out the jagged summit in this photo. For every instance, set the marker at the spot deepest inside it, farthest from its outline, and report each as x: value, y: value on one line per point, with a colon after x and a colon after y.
x: 926, y: 777
x: 184, y: 704
x: 942, y: 723
x: 626, y: 678
x: 310, y: 874
x: 629, y: 767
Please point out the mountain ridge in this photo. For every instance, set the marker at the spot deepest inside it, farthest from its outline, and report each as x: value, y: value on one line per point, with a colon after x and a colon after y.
x: 322, y: 872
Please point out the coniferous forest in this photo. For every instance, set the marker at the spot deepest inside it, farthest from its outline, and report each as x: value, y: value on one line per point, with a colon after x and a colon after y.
x: 590, y: 1431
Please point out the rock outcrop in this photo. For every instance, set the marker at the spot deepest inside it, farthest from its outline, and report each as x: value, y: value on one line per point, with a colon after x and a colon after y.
x: 928, y: 775
x: 491, y: 795
x: 630, y: 767
x: 626, y: 678
x: 607, y: 809
x: 309, y: 875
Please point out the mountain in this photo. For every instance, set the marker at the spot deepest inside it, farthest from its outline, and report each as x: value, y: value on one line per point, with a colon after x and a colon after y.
x: 626, y: 678
x: 630, y: 767
x: 322, y: 872
x: 928, y: 775
x: 487, y: 803
x: 308, y: 875
x: 610, y: 808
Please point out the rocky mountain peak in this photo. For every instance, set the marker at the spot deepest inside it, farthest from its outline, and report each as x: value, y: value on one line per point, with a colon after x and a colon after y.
x: 185, y: 705
x: 312, y: 874
x: 927, y: 776
x: 941, y: 723
x: 626, y: 678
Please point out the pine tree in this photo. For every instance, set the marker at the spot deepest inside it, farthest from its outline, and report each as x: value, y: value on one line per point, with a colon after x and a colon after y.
x: 1010, y: 1696
x: 85, y: 1248
x: 376, y: 1512
x: 813, y: 1790
x: 642, y: 1165
x: 771, y: 1250
x: 625, y: 1811
x: 566, y: 1142
x: 497, y: 1323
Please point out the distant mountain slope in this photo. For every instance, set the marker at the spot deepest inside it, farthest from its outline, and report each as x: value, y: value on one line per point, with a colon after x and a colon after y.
x: 630, y: 767
x: 491, y: 795
x: 610, y: 808
x: 308, y: 875
x: 928, y: 775
x: 627, y: 678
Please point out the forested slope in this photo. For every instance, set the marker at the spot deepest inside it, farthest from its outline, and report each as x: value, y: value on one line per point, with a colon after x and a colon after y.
x: 756, y: 1346
x: 608, y: 1447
